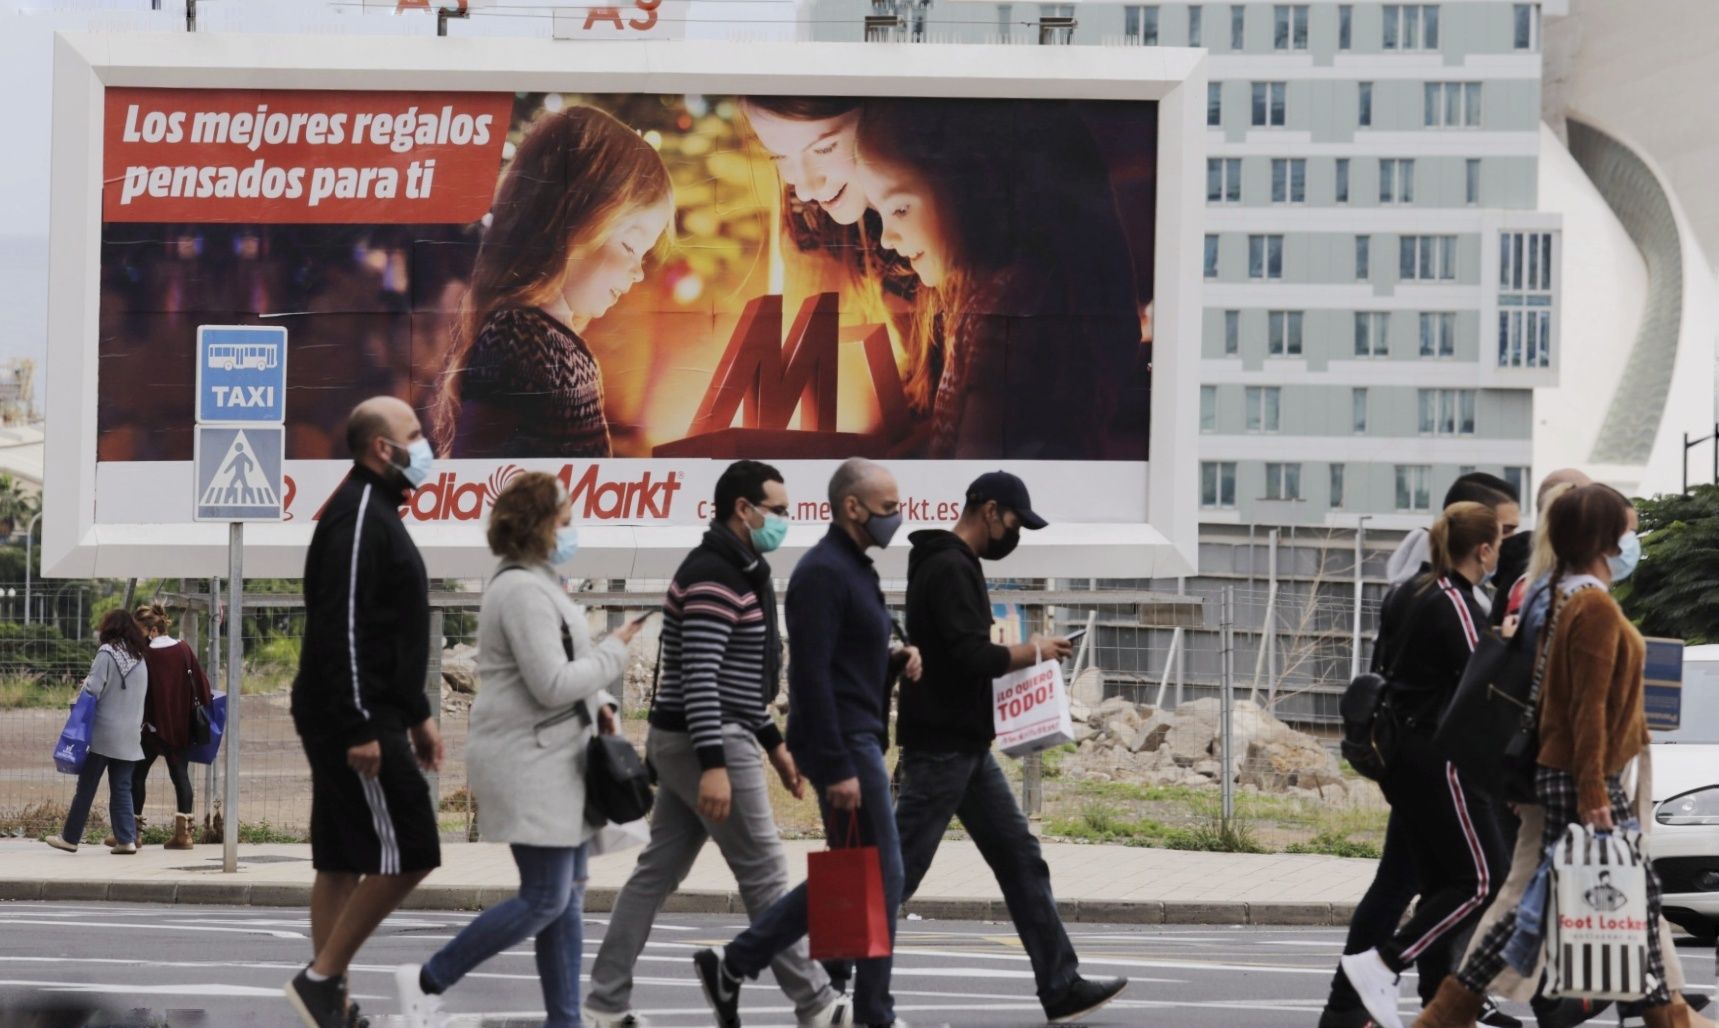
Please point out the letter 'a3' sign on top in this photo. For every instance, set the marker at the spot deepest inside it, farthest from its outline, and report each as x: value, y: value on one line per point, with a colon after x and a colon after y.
x: 241, y: 374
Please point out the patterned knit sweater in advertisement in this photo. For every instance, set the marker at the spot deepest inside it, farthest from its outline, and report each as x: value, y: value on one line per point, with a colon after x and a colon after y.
x: 531, y: 388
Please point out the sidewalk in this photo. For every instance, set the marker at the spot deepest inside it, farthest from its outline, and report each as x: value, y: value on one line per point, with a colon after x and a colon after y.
x: 1095, y: 884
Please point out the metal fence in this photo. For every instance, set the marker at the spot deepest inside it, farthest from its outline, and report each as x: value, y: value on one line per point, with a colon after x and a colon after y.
x: 1149, y: 652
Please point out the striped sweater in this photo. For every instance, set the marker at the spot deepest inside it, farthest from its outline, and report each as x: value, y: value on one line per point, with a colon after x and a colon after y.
x: 721, y: 652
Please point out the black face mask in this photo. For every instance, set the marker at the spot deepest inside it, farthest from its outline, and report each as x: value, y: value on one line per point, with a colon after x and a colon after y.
x: 997, y: 549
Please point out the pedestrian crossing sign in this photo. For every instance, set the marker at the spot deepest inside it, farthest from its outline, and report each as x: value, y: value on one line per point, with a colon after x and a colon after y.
x: 239, y: 473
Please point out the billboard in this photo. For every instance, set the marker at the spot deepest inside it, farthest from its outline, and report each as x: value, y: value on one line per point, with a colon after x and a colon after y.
x: 629, y: 286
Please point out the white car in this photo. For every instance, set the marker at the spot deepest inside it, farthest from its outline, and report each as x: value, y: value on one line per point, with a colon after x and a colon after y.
x: 1685, y: 836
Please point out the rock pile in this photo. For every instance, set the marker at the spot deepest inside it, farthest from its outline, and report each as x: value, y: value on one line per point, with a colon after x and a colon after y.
x: 1118, y: 741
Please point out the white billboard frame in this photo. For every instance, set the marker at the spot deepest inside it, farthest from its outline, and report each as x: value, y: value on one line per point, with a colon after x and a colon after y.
x: 86, y: 64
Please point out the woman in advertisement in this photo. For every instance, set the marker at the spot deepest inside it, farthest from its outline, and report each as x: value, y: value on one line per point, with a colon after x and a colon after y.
x: 1027, y: 320
x: 582, y: 203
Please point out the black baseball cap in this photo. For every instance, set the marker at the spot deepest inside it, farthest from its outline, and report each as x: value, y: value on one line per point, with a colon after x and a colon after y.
x: 1009, y: 492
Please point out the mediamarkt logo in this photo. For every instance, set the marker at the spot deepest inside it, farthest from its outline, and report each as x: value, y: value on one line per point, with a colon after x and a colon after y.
x: 449, y: 498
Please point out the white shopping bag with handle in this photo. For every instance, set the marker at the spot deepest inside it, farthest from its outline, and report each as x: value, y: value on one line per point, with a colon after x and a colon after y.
x: 1596, y: 918
x: 1030, y: 709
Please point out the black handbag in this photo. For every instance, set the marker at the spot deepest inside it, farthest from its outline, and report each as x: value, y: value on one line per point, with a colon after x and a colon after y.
x: 200, y: 733
x: 1370, y: 726
x: 1491, y: 728
x: 617, y: 784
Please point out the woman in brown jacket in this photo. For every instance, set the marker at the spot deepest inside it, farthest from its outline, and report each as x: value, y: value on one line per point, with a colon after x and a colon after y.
x: 175, y: 680
x: 1592, y: 724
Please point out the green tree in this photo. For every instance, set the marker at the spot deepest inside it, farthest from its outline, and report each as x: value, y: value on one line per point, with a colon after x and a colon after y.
x: 1674, y: 593
x: 17, y: 506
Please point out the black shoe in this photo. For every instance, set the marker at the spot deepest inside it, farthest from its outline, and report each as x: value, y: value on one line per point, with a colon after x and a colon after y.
x: 354, y: 1019
x: 1697, y: 1002
x: 721, y: 989
x: 1496, y: 1018
x: 1082, y: 998
x: 321, y: 1004
x: 1566, y: 1013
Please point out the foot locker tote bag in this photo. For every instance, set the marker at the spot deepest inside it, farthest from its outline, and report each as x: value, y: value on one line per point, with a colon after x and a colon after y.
x: 1029, y: 709
x: 846, y: 915
x: 1596, y: 934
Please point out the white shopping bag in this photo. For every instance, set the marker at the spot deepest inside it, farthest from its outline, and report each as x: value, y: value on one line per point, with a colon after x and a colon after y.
x: 1030, y: 709
x: 612, y: 838
x: 1596, y: 917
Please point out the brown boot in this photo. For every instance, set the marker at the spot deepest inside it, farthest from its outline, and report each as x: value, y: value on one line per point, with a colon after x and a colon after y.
x: 1675, y: 1014
x: 1453, y: 1007
x: 181, y: 833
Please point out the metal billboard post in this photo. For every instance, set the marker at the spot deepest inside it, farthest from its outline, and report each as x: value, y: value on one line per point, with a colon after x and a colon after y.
x: 235, y: 660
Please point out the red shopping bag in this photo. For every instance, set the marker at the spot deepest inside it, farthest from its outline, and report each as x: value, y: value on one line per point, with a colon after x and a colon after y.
x: 846, y: 916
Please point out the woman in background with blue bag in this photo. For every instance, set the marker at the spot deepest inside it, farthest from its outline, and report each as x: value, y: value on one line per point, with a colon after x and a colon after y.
x: 119, y: 681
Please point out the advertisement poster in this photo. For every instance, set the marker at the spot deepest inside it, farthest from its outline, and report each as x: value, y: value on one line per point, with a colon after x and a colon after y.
x: 631, y: 290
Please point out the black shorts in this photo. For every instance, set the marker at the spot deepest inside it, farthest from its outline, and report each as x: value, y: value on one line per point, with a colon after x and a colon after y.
x: 382, y: 825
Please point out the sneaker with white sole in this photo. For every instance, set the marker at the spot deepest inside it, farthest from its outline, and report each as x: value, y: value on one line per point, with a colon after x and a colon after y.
x: 593, y: 1019
x: 1377, y: 985
x: 418, y: 1009
x: 839, y: 1014
x: 125, y: 849
x: 721, y: 987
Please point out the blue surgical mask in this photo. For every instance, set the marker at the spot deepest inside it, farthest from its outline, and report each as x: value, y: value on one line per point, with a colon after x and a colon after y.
x: 769, y: 535
x: 566, y: 544
x: 1623, y: 563
x: 419, y: 460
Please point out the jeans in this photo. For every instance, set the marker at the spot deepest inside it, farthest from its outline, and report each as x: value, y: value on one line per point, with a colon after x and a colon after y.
x: 119, y: 810
x: 938, y: 786
x: 785, y: 923
x: 750, y: 844
x: 178, y: 770
x: 551, y: 907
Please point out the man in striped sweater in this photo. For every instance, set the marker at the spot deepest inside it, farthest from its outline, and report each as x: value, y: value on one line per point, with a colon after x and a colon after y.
x: 711, y: 734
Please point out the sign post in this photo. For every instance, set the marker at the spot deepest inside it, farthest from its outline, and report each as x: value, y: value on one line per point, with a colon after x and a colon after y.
x: 240, y: 457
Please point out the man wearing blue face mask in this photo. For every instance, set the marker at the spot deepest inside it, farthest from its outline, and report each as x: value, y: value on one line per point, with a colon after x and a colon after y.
x: 711, y: 735
x: 359, y: 707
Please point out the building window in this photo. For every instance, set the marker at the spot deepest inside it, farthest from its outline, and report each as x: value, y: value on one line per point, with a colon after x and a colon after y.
x: 1341, y: 192
x: 1363, y: 258
x: 1446, y: 411
x: 1223, y: 180
x: 1452, y: 105
x: 1427, y: 259
x: 1337, y: 485
x: 1373, y: 334
x: 1396, y: 181
x: 1411, y: 27
x: 1196, y: 25
x: 1413, y: 487
x: 1345, y: 26
x: 1518, y: 480
x: 1140, y: 24
x: 1283, y: 481
x: 1525, y: 287
x: 1263, y: 408
x: 1214, y: 104
x: 1218, y: 484
x: 1265, y: 257
x: 1283, y: 333
x: 1364, y: 104
x: 1289, y: 27
x: 1269, y: 102
x: 1471, y: 181
x: 1208, y: 408
x: 1527, y: 26
x: 1438, y: 334
x: 1238, y: 27
x: 1211, y: 256
x: 1288, y: 180
x: 1005, y: 22
x: 1232, y: 333
x: 1358, y: 410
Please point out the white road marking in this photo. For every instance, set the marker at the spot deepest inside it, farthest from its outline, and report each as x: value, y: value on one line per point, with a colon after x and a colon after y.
x: 135, y: 989
x: 156, y: 926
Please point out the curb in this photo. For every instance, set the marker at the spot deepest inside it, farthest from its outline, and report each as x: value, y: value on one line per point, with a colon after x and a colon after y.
x: 601, y: 901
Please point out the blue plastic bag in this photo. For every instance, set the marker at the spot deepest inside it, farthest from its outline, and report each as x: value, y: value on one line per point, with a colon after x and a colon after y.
x: 74, y: 744
x: 206, y: 753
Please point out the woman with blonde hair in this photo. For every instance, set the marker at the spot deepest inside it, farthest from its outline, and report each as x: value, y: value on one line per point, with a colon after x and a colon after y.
x: 177, y: 687
x: 541, y: 692
x: 1428, y: 628
x: 584, y: 200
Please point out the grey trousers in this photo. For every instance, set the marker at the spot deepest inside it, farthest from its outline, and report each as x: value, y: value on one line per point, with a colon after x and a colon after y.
x: 749, y: 842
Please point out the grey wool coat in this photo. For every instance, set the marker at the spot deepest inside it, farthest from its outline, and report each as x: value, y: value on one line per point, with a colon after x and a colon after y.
x: 528, y: 780
x: 120, y: 684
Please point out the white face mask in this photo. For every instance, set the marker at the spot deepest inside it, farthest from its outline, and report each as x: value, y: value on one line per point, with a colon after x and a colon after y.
x: 419, y: 460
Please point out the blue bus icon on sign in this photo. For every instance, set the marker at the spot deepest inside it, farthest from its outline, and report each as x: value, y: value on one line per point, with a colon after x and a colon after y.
x: 241, y: 374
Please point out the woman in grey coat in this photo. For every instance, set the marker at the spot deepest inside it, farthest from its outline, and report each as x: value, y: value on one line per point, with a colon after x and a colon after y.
x: 541, y: 689
x: 119, y: 681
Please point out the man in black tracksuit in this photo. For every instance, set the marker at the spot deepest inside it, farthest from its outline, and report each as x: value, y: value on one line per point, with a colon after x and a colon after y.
x: 945, y: 730
x: 359, y: 705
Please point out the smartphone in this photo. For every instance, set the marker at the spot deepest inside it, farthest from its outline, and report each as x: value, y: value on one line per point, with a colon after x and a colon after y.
x: 642, y: 617
x: 1075, y: 637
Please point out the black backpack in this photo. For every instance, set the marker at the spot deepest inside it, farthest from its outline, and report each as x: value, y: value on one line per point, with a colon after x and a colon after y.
x: 1369, y: 726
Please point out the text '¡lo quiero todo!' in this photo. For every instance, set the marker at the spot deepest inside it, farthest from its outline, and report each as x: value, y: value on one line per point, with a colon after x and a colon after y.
x: 396, y: 132
x: 1023, y: 697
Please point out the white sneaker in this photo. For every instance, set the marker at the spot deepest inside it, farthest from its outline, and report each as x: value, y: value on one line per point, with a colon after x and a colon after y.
x: 59, y: 843
x: 839, y: 1014
x: 627, y: 1020
x: 418, y: 1008
x: 1376, y: 984
x: 125, y: 849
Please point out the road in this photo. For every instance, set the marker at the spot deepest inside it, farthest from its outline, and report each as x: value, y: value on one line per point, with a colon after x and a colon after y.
x: 214, y: 967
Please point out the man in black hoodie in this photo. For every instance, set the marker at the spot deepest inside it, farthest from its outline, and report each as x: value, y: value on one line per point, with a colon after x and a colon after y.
x: 945, y: 729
